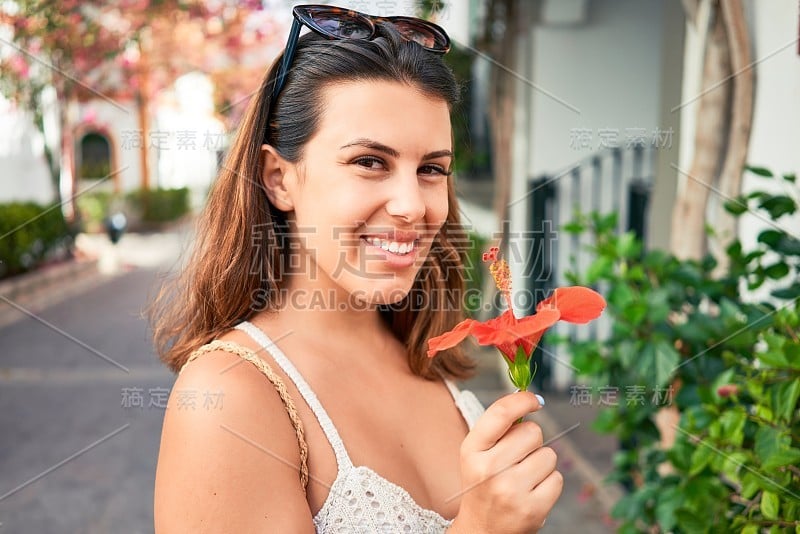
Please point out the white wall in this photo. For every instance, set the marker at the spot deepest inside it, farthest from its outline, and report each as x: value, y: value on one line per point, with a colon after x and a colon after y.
x: 604, y: 73
x: 600, y: 71
x: 775, y: 137
x: 24, y: 175
x: 121, y: 119
x: 775, y: 134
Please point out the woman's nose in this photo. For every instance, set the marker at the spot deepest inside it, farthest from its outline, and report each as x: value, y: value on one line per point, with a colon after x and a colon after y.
x: 406, y: 199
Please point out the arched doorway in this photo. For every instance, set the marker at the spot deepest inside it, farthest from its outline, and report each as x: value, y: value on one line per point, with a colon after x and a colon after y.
x: 94, y: 156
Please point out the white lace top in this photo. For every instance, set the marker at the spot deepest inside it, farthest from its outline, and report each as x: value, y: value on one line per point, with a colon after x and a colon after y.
x: 360, y: 500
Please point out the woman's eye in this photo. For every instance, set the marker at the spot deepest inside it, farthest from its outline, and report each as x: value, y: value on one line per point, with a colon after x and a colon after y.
x: 370, y: 162
x: 433, y: 170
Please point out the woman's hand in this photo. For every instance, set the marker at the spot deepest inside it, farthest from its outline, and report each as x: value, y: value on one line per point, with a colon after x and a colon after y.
x: 509, y: 480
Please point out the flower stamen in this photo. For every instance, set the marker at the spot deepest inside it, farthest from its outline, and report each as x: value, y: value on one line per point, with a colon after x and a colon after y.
x: 501, y: 273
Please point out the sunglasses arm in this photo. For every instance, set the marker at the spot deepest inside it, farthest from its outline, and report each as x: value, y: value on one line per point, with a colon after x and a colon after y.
x: 288, y: 57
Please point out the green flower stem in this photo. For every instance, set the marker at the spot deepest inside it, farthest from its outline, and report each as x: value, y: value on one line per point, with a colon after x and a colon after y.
x: 520, y: 372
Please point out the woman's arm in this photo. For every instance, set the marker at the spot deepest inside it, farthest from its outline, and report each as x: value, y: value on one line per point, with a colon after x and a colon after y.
x: 227, y: 466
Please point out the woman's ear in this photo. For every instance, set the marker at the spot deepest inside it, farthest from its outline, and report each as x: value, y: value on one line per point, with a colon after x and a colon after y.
x: 274, y: 177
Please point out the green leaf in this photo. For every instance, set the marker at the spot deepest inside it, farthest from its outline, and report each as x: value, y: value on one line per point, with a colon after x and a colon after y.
x: 785, y: 399
x: 773, y: 357
x: 750, y: 485
x: 770, y: 237
x: 736, y: 206
x: 788, y: 293
x: 701, y: 457
x: 573, y: 227
x: 620, y: 295
x: 732, y: 423
x: 628, y: 351
x: 789, y: 246
x: 606, y: 421
x: 733, y: 463
x: 668, y: 500
x: 691, y: 522
x: 658, y: 306
x: 628, y: 246
x: 657, y: 363
x: 776, y: 271
x: 769, y: 442
x: 778, y: 205
x: 781, y: 458
x: 792, y: 177
x: 770, y: 505
x: 635, y: 312
x: 761, y: 171
x: 601, y: 267
x: 752, y: 528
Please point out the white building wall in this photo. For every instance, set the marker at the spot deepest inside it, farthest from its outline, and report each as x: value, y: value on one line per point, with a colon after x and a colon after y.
x: 121, y: 120
x: 602, y: 73
x: 598, y: 69
x: 775, y: 136
x: 24, y: 175
x: 775, y: 133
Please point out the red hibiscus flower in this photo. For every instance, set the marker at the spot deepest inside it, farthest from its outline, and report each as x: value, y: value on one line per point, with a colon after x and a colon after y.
x: 517, y: 338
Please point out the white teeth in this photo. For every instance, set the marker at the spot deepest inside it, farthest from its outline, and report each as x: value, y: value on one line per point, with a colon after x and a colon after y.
x: 394, y: 247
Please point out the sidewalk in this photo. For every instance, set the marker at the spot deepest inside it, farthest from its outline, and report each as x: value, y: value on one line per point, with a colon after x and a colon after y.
x: 96, y: 261
x: 584, y: 457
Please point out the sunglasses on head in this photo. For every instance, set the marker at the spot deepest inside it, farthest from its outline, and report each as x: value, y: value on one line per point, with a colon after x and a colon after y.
x: 339, y: 23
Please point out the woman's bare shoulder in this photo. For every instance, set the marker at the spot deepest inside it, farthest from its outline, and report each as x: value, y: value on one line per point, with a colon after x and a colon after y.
x: 228, y: 453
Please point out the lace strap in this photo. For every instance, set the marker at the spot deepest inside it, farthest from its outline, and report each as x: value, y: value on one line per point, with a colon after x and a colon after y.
x: 342, y: 459
x: 265, y: 368
x: 467, y: 403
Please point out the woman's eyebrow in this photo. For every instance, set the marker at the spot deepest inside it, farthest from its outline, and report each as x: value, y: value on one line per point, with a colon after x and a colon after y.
x: 369, y: 143
x: 380, y: 147
x: 438, y: 154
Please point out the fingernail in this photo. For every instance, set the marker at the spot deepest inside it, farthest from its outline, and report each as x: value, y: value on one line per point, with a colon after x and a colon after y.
x: 540, y: 399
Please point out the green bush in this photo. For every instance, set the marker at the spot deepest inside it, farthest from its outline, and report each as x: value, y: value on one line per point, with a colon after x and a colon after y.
x: 160, y: 205
x: 28, y: 234
x: 734, y: 365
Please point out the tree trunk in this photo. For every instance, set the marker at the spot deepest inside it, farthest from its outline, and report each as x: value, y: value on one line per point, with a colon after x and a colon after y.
x: 688, y: 236
x: 730, y: 179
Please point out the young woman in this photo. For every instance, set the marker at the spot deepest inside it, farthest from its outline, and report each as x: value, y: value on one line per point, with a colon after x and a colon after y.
x: 325, y: 259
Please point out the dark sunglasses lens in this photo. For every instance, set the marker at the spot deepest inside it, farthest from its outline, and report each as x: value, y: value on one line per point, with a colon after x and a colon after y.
x: 342, y: 25
x: 421, y: 34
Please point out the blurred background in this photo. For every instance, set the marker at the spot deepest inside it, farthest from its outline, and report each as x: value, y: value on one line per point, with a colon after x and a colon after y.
x: 646, y: 148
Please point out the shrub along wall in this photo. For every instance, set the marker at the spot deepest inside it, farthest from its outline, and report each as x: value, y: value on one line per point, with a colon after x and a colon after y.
x: 30, y: 234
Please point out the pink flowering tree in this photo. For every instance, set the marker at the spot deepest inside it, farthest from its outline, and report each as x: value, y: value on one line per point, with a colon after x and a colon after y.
x: 121, y: 51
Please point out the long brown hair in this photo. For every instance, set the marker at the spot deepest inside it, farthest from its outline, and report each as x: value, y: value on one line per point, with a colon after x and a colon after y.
x: 242, y: 241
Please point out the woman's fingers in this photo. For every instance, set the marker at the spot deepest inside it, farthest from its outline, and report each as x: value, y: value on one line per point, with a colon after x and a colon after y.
x: 536, y: 467
x: 544, y: 496
x: 519, y: 442
x: 498, y: 418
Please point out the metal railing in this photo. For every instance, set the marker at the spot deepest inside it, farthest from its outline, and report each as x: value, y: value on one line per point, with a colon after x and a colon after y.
x: 613, y: 180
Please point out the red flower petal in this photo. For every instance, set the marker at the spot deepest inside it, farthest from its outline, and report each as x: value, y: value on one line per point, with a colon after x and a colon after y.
x: 577, y: 304
x: 452, y: 338
x: 506, y: 332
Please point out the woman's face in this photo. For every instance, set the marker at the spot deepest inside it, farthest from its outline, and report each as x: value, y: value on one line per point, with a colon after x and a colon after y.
x: 370, y: 192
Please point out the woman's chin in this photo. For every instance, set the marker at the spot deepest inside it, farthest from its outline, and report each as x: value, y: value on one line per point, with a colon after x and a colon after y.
x: 380, y: 296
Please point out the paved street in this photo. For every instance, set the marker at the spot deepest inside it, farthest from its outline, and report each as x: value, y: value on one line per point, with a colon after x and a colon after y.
x: 72, y: 457
x: 78, y: 455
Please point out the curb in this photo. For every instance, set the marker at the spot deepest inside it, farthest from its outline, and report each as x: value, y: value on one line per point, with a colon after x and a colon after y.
x: 41, y: 288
